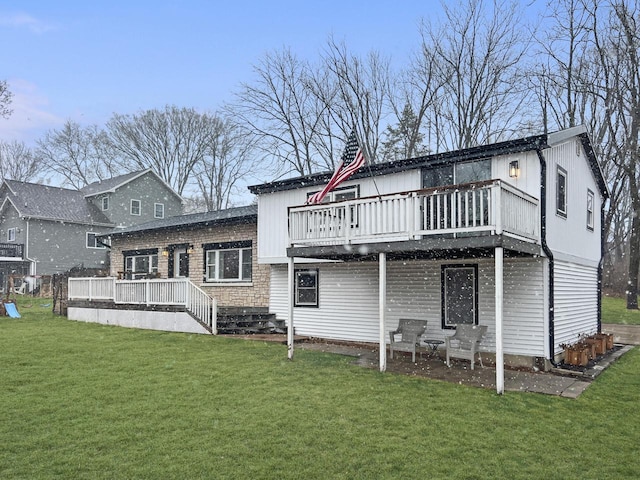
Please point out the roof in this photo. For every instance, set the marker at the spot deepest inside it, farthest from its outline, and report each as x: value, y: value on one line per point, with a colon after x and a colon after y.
x: 112, y: 184
x: 248, y: 213
x: 536, y: 142
x: 34, y: 200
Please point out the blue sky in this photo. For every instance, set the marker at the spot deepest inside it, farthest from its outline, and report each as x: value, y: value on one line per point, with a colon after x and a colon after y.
x: 85, y: 60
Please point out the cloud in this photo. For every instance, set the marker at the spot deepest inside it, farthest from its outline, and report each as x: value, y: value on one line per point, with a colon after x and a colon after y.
x: 24, y: 20
x: 30, y: 119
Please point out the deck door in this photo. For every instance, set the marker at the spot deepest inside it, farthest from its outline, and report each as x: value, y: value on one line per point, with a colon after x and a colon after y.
x: 459, y: 295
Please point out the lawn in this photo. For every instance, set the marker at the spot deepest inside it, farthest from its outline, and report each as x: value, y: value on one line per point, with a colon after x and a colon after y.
x: 87, y: 401
x: 614, y: 310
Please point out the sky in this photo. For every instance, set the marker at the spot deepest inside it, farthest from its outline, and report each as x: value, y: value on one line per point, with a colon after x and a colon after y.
x: 85, y: 60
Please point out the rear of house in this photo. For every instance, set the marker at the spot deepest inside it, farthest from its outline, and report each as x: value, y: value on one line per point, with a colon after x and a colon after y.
x: 505, y: 235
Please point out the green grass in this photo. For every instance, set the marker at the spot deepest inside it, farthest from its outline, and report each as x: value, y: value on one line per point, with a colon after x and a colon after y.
x: 86, y: 401
x: 614, y: 310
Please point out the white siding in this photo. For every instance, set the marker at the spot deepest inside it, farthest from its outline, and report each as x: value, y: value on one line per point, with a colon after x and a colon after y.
x: 576, y: 302
x: 529, y: 179
x: 349, y: 301
x: 569, y: 236
x: 273, y: 236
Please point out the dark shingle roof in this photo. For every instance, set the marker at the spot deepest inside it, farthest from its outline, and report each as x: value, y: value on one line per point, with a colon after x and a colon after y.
x: 110, y: 184
x: 35, y: 200
x: 216, y: 217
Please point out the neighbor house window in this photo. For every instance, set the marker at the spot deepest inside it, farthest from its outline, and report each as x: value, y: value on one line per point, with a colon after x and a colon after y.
x: 306, y: 287
x: 140, y: 263
x: 459, y: 295
x: 158, y: 210
x: 11, y: 235
x: 135, y: 207
x: 105, y: 203
x: 590, y: 213
x: 561, y: 192
x: 92, y: 241
x: 228, y: 262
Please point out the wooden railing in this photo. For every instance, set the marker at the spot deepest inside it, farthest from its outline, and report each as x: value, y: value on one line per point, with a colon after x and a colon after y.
x: 492, y: 206
x: 148, y: 292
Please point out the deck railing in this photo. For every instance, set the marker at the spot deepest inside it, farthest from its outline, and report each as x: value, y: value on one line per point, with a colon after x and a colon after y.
x: 492, y: 206
x: 180, y: 292
x: 12, y: 250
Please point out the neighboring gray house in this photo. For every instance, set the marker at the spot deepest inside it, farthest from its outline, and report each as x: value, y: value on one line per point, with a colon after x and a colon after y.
x: 46, y: 230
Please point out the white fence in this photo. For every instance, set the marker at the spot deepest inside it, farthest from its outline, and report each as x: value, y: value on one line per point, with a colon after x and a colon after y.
x: 148, y: 292
x: 492, y: 206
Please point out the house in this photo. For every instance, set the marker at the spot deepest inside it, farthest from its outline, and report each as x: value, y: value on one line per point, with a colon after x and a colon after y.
x: 213, y: 254
x: 46, y: 230
x: 507, y: 235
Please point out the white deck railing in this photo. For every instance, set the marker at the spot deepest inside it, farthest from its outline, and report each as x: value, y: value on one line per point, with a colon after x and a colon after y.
x: 180, y: 292
x: 492, y: 206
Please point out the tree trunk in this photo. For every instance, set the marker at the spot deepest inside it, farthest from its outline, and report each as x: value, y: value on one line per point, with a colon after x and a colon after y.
x: 634, y: 262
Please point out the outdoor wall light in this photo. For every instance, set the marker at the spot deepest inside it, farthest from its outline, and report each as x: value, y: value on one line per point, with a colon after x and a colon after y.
x: 514, y: 169
x: 190, y: 249
x: 165, y: 252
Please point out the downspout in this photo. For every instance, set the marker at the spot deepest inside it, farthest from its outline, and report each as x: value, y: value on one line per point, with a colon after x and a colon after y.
x: 601, y: 266
x: 32, y: 263
x: 548, y: 253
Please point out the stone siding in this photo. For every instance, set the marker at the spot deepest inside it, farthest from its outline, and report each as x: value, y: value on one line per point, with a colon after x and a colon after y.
x: 242, y: 294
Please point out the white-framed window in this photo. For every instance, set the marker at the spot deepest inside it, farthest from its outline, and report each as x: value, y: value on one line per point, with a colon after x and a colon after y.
x: 11, y: 234
x: 459, y: 295
x: 140, y: 263
x: 105, y: 203
x: 92, y: 241
x: 135, y: 207
x: 228, y: 262
x: 158, y: 210
x: 561, y: 192
x: 339, y: 194
x: 590, y: 210
x: 306, y: 287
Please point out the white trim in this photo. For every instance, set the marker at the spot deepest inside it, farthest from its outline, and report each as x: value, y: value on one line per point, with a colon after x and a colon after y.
x: 95, y: 241
x: 155, y: 210
x: 9, y: 232
x: 139, y: 207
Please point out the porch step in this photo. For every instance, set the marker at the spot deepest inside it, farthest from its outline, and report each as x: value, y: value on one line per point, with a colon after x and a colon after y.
x: 248, y: 320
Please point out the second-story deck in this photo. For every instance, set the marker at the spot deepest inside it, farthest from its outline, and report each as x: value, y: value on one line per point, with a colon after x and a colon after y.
x: 472, y: 215
x: 11, y: 251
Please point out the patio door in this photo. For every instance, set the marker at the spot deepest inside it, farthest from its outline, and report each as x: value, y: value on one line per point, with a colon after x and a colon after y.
x: 180, y: 262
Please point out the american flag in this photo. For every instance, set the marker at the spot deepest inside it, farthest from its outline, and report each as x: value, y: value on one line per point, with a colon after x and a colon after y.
x: 352, y: 160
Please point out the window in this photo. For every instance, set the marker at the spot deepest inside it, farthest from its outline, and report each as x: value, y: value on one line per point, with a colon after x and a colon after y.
x: 228, y: 262
x: 453, y: 174
x: 561, y: 192
x: 140, y: 263
x: 105, y: 203
x: 158, y: 210
x: 135, y: 207
x: 11, y: 235
x: 340, y: 194
x: 459, y: 295
x: 306, y: 288
x: 92, y: 241
x: 590, y: 213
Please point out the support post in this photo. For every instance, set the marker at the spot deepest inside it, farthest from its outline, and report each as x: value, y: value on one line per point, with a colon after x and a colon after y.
x: 291, y: 281
x: 499, y: 272
x: 382, y: 288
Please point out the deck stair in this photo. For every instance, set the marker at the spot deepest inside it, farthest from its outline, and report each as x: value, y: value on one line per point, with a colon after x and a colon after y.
x: 248, y: 320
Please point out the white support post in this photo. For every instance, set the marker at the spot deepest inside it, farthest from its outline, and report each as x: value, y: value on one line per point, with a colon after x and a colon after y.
x: 291, y: 281
x: 499, y: 263
x: 382, y: 287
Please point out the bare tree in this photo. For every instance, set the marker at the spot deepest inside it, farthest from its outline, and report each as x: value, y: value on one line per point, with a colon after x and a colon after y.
x: 478, y: 51
x: 170, y: 141
x: 354, y: 92
x: 77, y: 154
x: 5, y: 99
x: 282, y: 111
x: 17, y: 162
x: 228, y: 159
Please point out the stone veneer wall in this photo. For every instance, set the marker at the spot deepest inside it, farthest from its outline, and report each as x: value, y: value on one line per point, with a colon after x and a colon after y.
x: 253, y: 294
